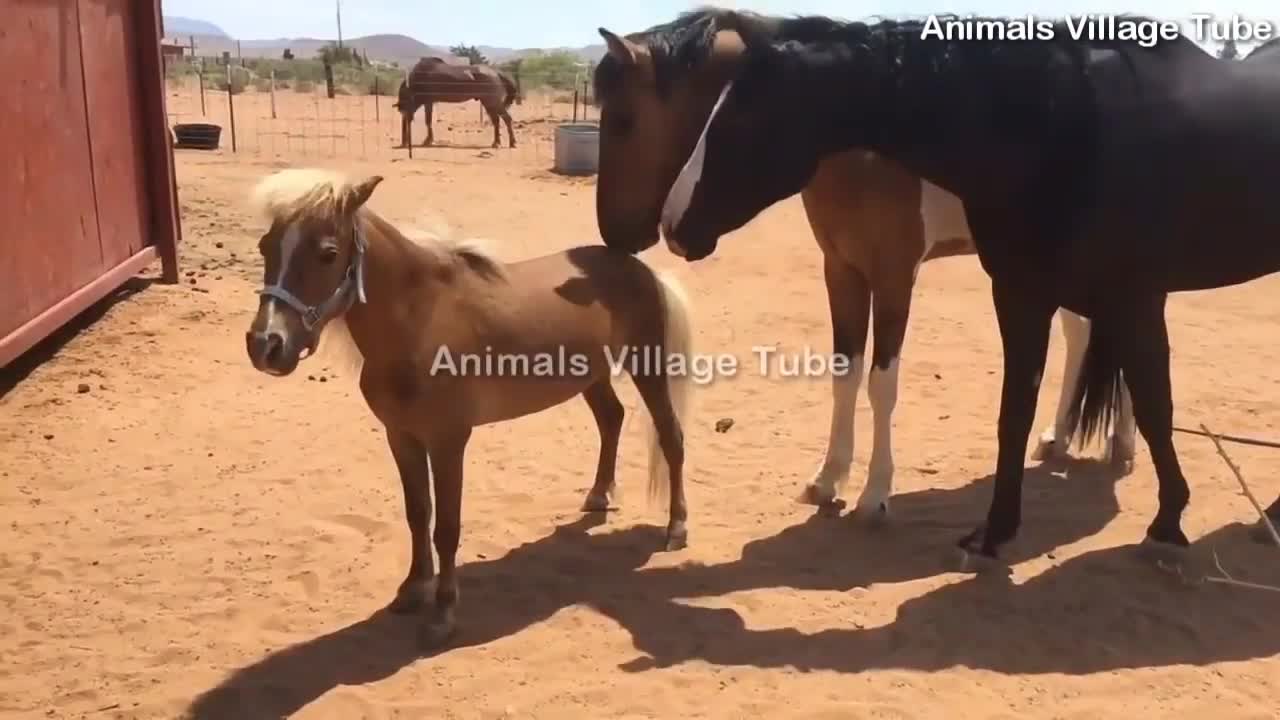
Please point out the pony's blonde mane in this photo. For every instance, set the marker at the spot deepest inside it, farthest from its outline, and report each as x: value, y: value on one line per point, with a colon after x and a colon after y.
x: 299, y: 191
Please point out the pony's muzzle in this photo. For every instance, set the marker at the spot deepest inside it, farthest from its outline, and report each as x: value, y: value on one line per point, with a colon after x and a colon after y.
x: 268, y: 352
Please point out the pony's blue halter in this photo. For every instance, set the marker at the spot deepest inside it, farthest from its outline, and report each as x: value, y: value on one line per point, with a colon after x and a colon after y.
x: 338, y: 302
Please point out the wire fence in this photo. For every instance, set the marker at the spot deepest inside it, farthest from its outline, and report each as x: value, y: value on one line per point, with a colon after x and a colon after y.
x: 279, y: 112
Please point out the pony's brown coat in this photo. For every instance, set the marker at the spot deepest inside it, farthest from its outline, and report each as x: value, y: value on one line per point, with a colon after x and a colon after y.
x: 425, y: 299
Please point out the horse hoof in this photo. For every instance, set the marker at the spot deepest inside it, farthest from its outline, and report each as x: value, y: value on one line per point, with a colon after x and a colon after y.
x: 1164, y: 555
x: 976, y: 563
x: 413, y: 596
x: 1047, y: 448
x: 875, y: 515
x: 597, y: 503
x: 677, y: 537
x: 825, y: 499
x: 437, y: 633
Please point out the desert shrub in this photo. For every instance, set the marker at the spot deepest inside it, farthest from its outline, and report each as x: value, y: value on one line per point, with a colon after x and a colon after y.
x: 304, y: 86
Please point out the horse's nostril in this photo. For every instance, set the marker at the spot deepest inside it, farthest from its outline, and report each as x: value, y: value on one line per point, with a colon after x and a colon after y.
x: 274, y: 347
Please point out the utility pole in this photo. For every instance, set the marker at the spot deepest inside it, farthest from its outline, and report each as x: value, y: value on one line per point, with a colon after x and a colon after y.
x: 339, y: 2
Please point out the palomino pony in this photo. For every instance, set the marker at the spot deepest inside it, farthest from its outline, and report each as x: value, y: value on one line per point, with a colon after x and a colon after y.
x: 874, y: 221
x: 450, y: 338
x: 1096, y: 175
x: 433, y: 80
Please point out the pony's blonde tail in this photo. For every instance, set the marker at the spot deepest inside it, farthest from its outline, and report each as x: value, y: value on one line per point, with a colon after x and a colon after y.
x: 677, y: 340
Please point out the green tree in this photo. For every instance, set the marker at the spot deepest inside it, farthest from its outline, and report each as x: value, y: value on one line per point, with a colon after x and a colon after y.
x: 338, y: 55
x: 558, y: 69
x: 471, y: 53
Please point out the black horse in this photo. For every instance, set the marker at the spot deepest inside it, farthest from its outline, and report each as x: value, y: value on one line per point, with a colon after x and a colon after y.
x: 1098, y: 176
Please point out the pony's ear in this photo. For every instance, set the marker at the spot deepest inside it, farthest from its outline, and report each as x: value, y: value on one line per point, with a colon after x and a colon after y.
x: 622, y: 49
x: 359, y: 193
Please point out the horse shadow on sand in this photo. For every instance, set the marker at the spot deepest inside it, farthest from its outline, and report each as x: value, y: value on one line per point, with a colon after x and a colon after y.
x: 1100, y: 611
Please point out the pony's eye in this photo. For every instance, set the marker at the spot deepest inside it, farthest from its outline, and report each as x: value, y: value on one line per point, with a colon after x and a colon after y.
x: 328, y: 254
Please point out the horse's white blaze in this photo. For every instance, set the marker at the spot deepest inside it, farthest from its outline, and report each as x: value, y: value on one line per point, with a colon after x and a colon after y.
x: 289, y: 242
x: 681, y: 193
x: 882, y: 391
x: 844, y: 396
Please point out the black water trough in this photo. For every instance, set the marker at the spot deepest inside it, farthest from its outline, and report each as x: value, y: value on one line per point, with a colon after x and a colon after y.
x: 196, y: 136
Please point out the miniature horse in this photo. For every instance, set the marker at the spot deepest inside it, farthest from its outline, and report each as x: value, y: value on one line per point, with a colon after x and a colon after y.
x: 1096, y: 175
x: 875, y: 222
x: 450, y: 338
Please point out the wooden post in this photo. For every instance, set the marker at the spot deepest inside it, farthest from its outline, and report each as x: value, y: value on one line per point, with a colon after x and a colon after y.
x: 377, y: 99
x: 585, y: 97
x: 273, y: 94
x: 200, y: 74
x: 328, y: 78
x: 575, y: 104
x: 231, y: 107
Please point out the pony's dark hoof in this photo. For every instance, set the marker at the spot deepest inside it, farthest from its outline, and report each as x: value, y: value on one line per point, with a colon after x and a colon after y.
x: 436, y: 633
x: 677, y: 537
x: 976, y: 563
x: 1261, y: 534
x: 976, y: 554
x: 596, y: 502
x: 827, y: 503
x: 1164, y: 555
x: 412, y: 597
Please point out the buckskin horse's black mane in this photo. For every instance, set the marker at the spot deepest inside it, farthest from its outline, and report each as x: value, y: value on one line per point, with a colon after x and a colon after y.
x: 683, y: 44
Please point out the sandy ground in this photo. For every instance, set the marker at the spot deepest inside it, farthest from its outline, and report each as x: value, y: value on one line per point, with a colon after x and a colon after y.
x: 185, y: 537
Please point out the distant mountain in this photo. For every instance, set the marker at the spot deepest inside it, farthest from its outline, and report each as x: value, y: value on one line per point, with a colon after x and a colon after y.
x: 211, y: 41
x: 175, y: 26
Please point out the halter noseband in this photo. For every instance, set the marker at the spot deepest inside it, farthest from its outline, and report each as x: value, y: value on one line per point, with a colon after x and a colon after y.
x: 338, y: 302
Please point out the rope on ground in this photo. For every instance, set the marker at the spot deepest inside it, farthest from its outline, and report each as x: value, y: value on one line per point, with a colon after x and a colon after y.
x: 1229, y: 438
x: 1226, y: 578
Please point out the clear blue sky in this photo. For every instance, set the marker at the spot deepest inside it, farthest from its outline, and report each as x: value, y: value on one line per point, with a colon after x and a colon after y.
x: 549, y: 23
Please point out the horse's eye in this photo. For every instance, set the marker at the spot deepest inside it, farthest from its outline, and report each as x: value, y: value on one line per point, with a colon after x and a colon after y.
x: 328, y: 253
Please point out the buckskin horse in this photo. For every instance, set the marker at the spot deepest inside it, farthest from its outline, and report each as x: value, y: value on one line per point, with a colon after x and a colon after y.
x: 433, y: 80
x: 874, y: 221
x: 1097, y: 175
x: 449, y: 338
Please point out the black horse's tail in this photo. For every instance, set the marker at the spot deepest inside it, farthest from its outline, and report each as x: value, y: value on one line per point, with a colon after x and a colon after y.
x: 1097, y: 393
x: 512, y: 87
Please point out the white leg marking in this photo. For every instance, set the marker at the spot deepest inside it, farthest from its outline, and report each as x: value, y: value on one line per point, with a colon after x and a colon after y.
x: 1055, y: 441
x: 834, y: 472
x: 681, y: 192
x: 1122, y: 444
x: 882, y: 390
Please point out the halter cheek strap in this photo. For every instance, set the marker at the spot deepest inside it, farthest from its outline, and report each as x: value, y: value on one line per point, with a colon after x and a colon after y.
x: 350, y: 290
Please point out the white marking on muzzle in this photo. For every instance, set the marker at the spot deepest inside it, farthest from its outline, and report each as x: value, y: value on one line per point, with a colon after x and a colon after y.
x: 681, y: 193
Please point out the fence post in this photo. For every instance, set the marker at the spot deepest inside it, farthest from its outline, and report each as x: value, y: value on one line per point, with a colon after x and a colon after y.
x: 585, y: 98
x: 273, y: 94
x: 377, y: 98
x: 231, y: 107
x: 200, y: 74
x: 328, y: 77
x: 575, y: 104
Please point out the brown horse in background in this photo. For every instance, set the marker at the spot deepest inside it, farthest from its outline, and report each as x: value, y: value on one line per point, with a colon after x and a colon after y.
x: 450, y: 338
x: 433, y: 80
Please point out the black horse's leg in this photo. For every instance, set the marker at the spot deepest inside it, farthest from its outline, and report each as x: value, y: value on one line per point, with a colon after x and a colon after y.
x: 431, y: 136
x: 1143, y: 341
x: 1024, y: 320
